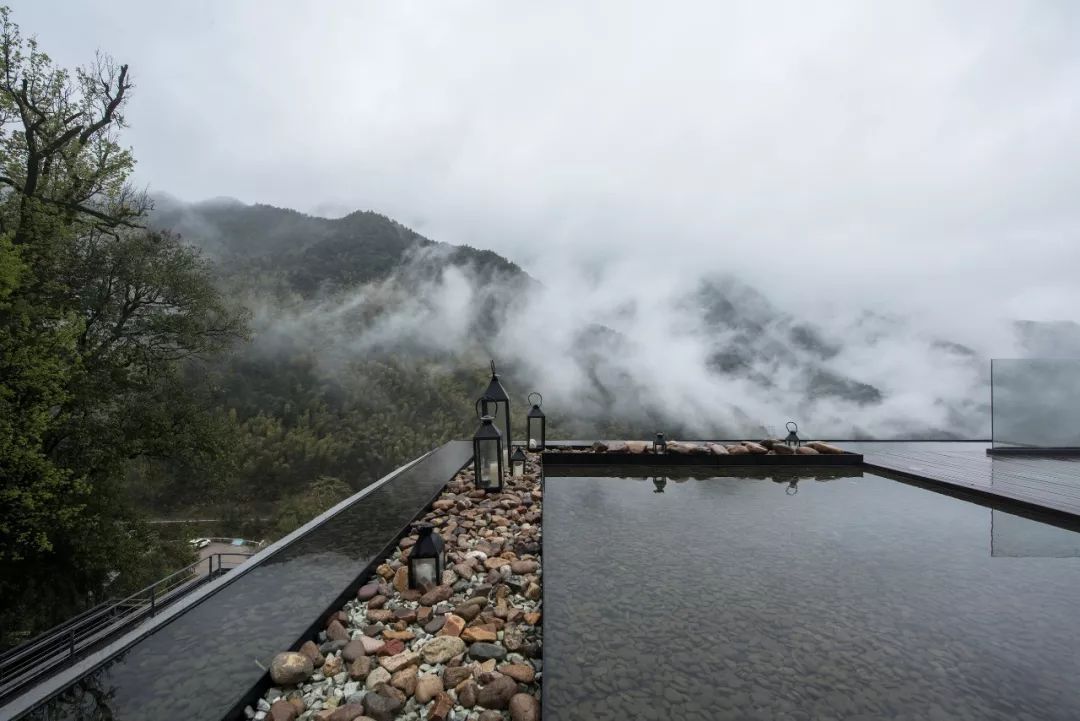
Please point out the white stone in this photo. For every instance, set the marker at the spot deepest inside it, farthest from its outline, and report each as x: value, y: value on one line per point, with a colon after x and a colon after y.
x: 379, y: 675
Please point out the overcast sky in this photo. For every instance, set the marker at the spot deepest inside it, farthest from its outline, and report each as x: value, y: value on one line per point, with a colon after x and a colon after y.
x: 910, y: 156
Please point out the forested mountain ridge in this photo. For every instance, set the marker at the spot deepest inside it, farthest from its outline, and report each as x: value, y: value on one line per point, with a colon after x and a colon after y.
x: 336, y: 386
x: 287, y: 250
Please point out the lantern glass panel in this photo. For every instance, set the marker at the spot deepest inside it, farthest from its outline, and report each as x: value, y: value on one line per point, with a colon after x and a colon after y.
x: 425, y: 572
x: 536, y: 434
x: 501, y: 411
x: 489, y: 463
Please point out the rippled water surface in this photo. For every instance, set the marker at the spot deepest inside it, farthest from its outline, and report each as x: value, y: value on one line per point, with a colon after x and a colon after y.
x: 850, y: 598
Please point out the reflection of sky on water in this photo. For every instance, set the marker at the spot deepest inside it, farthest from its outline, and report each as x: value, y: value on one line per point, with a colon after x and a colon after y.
x: 1016, y: 536
x: 860, y: 597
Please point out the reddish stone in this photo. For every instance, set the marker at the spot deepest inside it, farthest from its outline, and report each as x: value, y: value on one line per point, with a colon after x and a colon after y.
x: 336, y: 632
x: 379, y: 615
x: 452, y: 626
x: 392, y: 648
x: 282, y: 710
x: 441, y: 707
x: 310, y: 650
x: 479, y: 633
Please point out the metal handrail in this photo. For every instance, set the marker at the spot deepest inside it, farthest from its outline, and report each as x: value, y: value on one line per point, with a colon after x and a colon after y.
x: 63, y: 644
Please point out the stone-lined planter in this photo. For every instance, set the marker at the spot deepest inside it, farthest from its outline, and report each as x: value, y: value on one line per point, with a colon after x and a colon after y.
x: 770, y: 452
x: 469, y: 649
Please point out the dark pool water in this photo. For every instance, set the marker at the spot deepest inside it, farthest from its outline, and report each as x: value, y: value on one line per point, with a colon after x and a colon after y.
x: 203, y: 663
x: 851, y: 598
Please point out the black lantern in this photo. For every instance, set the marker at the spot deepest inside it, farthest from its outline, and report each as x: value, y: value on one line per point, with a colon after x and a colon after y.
x: 496, y: 401
x: 536, y: 424
x: 487, y: 452
x: 659, y: 446
x: 659, y: 484
x: 427, y: 558
x: 517, y: 463
x: 792, y: 440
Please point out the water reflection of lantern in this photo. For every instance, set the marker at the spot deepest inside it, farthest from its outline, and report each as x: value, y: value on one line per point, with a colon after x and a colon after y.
x: 517, y: 463
x: 792, y: 487
x: 536, y: 424
x: 660, y: 444
x: 660, y: 483
x: 487, y: 452
x: 427, y: 558
x: 792, y: 440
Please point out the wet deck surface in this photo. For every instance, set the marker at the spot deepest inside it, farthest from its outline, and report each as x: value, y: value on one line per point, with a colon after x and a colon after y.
x: 1048, y: 481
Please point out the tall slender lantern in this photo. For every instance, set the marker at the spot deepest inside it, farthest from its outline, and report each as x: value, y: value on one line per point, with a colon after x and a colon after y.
x: 495, y: 401
x: 659, y: 446
x: 536, y: 424
x: 517, y: 462
x: 487, y: 452
x: 427, y: 558
x: 792, y: 440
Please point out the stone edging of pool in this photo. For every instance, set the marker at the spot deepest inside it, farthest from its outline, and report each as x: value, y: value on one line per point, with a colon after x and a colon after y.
x: 469, y: 648
x: 769, y: 452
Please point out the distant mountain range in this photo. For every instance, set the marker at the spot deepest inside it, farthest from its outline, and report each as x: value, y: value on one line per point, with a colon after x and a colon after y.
x: 365, y: 284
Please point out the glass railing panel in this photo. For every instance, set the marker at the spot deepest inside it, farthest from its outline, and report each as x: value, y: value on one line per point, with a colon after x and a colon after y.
x: 1035, y: 403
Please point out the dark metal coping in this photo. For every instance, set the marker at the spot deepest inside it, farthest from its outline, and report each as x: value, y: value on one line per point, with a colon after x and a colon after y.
x: 54, y: 686
x: 1026, y: 451
x: 989, y: 497
x: 985, y: 498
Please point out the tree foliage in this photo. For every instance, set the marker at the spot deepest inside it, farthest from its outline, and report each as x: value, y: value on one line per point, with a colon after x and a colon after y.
x: 97, y: 316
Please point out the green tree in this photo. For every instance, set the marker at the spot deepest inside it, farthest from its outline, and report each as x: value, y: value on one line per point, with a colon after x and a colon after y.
x: 296, y: 510
x: 97, y: 318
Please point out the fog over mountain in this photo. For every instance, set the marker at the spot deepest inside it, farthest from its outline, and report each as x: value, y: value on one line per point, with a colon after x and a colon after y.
x: 734, y: 213
x: 709, y: 354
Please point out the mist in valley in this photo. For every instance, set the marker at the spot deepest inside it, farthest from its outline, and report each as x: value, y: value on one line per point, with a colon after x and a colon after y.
x: 734, y: 214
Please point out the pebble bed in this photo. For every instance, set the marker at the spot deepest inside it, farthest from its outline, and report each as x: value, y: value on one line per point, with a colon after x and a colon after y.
x: 469, y: 649
x: 767, y: 447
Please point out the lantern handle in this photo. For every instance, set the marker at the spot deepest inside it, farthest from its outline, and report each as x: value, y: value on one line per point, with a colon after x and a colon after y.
x: 789, y: 425
x: 481, y: 415
x: 534, y: 393
x: 493, y: 374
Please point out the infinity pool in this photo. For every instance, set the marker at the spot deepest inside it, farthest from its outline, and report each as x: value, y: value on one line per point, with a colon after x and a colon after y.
x: 846, y: 598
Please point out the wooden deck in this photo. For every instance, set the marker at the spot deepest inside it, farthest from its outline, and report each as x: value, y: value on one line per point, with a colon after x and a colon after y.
x: 1051, y: 482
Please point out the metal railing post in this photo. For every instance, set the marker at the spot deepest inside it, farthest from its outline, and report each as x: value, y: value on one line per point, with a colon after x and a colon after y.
x: 153, y: 601
x: 71, y: 647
